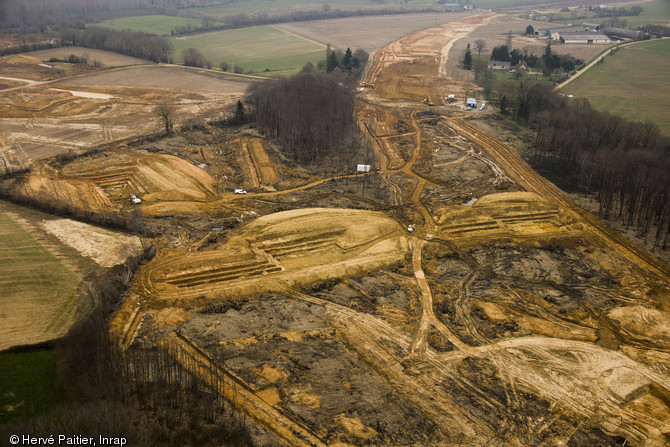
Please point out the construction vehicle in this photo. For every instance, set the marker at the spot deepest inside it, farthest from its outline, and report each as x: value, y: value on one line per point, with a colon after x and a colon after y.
x: 428, y: 101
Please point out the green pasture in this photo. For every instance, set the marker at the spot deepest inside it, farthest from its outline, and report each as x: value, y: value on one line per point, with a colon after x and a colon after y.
x: 254, y: 49
x: 631, y: 83
x: 27, y: 384
x: 656, y: 12
x: 159, y: 25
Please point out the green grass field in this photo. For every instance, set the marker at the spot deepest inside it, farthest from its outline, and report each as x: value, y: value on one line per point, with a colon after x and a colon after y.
x: 254, y: 49
x: 37, y: 291
x: 159, y: 25
x: 656, y: 12
x: 27, y: 384
x: 632, y: 83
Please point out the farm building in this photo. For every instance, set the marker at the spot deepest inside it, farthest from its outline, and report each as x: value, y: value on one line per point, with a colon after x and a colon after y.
x: 499, y: 65
x: 622, y: 33
x: 582, y: 37
x: 658, y: 30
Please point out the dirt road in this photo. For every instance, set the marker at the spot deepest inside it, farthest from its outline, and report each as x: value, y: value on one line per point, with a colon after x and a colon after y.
x: 490, y: 326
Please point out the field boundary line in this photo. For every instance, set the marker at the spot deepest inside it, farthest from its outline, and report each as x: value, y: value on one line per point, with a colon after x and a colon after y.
x: 294, y: 34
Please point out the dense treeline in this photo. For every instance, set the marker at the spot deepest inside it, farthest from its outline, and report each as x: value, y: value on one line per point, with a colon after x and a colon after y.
x: 22, y: 13
x: 601, y: 11
x: 347, y: 61
x: 130, y: 43
x: 522, y: 100
x: 38, y: 15
x: 625, y: 164
x: 310, y: 115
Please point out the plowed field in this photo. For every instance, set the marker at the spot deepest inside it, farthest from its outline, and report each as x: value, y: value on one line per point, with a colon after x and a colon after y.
x: 77, y: 113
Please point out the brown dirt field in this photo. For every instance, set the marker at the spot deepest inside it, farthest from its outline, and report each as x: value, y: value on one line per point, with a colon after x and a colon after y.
x: 5, y: 84
x: 467, y: 301
x: 169, y: 77
x: 107, y: 58
x: 31, y: 68
x: 103, y: 182
x: 368, y: 33
x: 39, y: 122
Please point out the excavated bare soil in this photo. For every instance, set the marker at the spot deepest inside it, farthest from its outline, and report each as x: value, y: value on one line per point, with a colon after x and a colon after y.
x: 450, y: 297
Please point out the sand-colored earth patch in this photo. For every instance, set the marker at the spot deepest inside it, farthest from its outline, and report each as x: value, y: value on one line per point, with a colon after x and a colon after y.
x: 106, y: 248
x: 644, y: 323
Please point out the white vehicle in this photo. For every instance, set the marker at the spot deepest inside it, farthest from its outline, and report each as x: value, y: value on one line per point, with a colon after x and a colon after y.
x: 135, y: 200
x: 483, y: 106
x: 240, y: 191
x: 410, y: 228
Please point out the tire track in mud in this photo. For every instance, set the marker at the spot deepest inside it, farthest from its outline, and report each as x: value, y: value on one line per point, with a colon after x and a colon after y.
x: 363, y: 333
x: 251, y: 167
x: 428, y: 317
x: 522, y: 174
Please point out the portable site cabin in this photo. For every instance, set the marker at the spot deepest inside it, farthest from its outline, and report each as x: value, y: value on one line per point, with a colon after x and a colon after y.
x: 363, y: 168
x: 471, y: 102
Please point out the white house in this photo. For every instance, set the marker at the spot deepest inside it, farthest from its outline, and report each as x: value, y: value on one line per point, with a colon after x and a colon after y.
x: 499, y: 65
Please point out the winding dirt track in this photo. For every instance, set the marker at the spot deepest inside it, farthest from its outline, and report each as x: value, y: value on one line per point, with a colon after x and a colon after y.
x: 507, y: 164
x: 517, y: 169
x: 408, y: 363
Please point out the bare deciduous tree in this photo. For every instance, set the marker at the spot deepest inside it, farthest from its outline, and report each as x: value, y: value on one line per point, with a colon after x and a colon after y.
x: 480, y: 45
x: 164, y: 112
